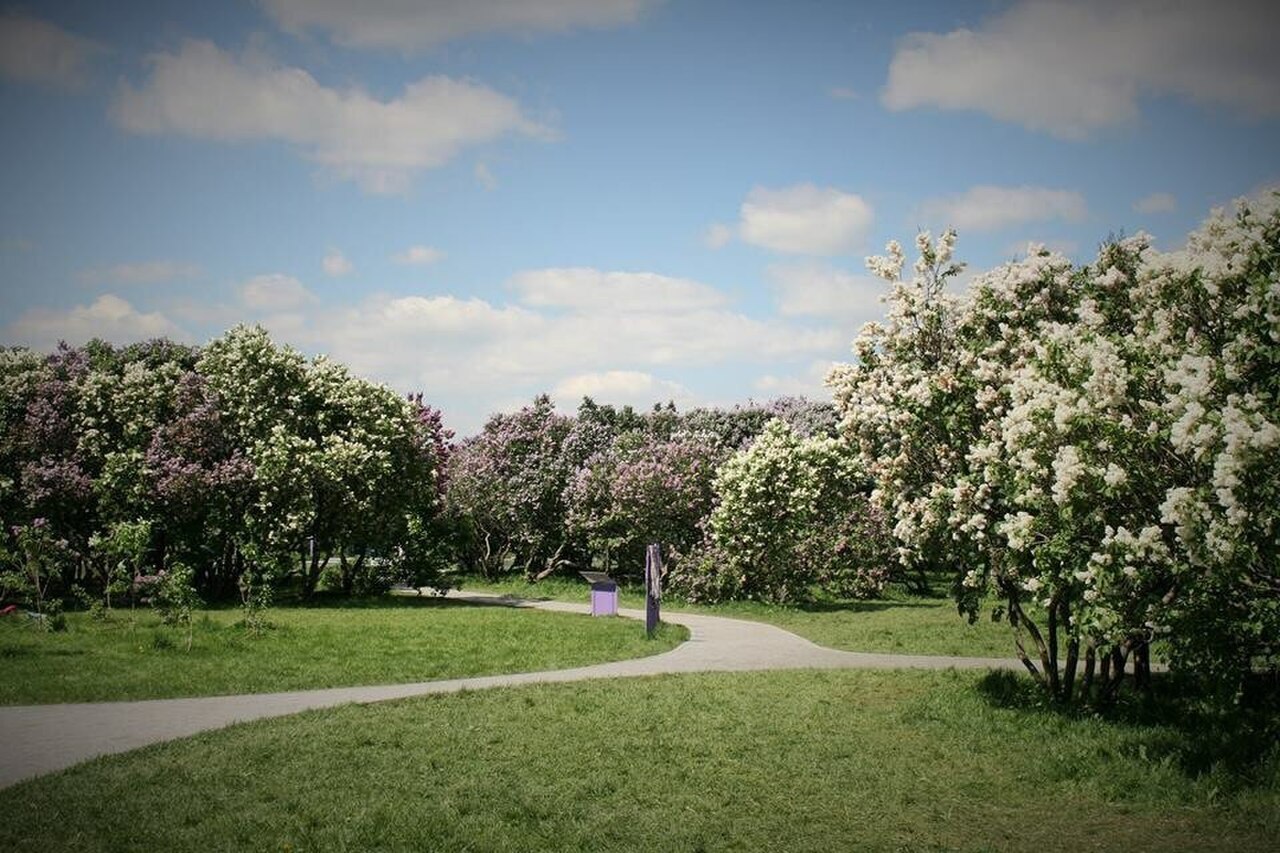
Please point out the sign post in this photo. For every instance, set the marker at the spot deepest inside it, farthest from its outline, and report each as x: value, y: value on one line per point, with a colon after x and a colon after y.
x: 652, y: 587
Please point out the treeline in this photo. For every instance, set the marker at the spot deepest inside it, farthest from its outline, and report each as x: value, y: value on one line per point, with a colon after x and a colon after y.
x: 245, y: 466
x: 538, y: 491
x: 241, y: 461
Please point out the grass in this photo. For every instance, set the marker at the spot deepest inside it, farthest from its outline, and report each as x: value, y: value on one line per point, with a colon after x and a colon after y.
x: 390, y: 640
x: 762, y: 761
x: 902, y: 624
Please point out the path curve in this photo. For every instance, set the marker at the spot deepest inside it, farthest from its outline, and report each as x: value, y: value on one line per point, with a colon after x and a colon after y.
x: 38, y: 739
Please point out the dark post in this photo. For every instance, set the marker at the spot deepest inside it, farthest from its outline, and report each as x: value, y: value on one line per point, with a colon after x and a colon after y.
x: 652, y: 587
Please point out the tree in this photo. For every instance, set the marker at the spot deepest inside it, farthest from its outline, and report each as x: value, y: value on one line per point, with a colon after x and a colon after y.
x: 1098, y: 445
x: 506, y: 488
x: 790, y: 513
x: 643, y: 489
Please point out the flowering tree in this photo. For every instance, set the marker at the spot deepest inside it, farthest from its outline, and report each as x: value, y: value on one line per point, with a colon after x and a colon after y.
x: 341, y: 466
x: 506, y: 489
x: 1098, y: 445
x: 643, y: 489
x: 790, y: 513
x: 228, y: 460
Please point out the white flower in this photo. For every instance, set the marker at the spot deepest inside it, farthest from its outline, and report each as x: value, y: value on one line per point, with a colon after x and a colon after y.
x: 1114, y: 475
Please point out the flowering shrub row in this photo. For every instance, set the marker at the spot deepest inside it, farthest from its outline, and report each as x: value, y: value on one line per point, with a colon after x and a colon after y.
x: 537, y: 490
x: 240, y: 459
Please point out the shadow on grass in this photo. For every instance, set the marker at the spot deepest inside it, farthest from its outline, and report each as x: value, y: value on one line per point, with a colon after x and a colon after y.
x: 1181, y: 722
x: 334, y: 601
x: 867, y: 606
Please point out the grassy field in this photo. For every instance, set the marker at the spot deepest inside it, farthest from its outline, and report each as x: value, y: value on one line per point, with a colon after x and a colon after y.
x: 905, y: 624
x: 390, y: 640
x: 764, y: 761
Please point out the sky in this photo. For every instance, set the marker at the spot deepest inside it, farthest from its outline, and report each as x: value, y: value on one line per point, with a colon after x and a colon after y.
x: 636, y: 200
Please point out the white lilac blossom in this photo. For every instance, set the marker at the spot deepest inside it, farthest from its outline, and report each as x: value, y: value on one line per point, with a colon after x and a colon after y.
x: 1136, y: 394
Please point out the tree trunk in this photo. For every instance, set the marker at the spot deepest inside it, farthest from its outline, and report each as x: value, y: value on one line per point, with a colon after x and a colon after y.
x: 311, y: 577
x: 1090, y: 660
x: 1111, y: 685
x: 1018, y: 618
x: 1055, y: 683
x: 1142, y: 667
x: 1073, y: 654
x: 1015, y: 619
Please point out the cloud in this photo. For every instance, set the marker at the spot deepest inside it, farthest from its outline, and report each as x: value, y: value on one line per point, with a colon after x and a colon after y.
x: 1071, y: 67
x: 473, y: 355
x: 36, y: 51
x: 274, y: 292
x: 204, y: 92
x: 464, y: 346
x: 987, y: 208
x: 842, y: 93
x: 586, y: 289
x: 805, y: 219
x: 109, y: 317
x: 811, y: 290
x: 620, y: 388
x: 396, y: 25
x: 142, y: 272
x: 336, y: 264
x: 717, y: 236
x: 809, y: 383
x: 1156, y: 203
x: 485, y: 177
x: 418, y: 256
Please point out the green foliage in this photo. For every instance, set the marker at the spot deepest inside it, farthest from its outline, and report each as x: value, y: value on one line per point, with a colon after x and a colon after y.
x: 238, y: 457
x: 173, y: 597
x: 31, y: 575
x: 1093, y: 447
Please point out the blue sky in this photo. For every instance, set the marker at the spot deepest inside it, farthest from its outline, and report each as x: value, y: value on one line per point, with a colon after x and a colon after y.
x: 635, y: 200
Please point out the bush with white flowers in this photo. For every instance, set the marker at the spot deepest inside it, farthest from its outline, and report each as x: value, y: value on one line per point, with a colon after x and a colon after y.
x: 1094, y: 449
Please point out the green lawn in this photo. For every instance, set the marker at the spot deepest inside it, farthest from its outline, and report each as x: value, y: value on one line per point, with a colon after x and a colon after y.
x: 391, y: 640
x: 905, y: 624
x: 825, y: 761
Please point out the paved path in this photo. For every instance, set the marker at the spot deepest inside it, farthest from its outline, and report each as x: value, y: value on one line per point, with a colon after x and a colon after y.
x: 37, y: 739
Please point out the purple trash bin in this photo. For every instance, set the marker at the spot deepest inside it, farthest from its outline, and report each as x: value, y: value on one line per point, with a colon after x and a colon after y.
x: 604, y: 593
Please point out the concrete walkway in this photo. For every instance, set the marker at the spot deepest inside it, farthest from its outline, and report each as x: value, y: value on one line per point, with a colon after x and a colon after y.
x: 38, y: 739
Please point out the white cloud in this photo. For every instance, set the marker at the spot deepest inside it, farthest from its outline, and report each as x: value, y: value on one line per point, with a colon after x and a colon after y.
x: 485, y: 177
x: 36, y: 51
x: 419, y: 256
x: 810, y: 290
x: 987, y: 208
x: 1156, y: 203
x: 586, y: 289
x: 620, y: 388
x: 1070, y: 67
x: 205, y: 92
x: 467, y: 345
x: 805, y: 219
x: 474, y: 356
x: 109, y: 317
x: 142, y: 272
x: 398, y: 25
x: 717, y: 236
x: 274, y: 292
x: 336, y: 264
x: 809, y: 383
